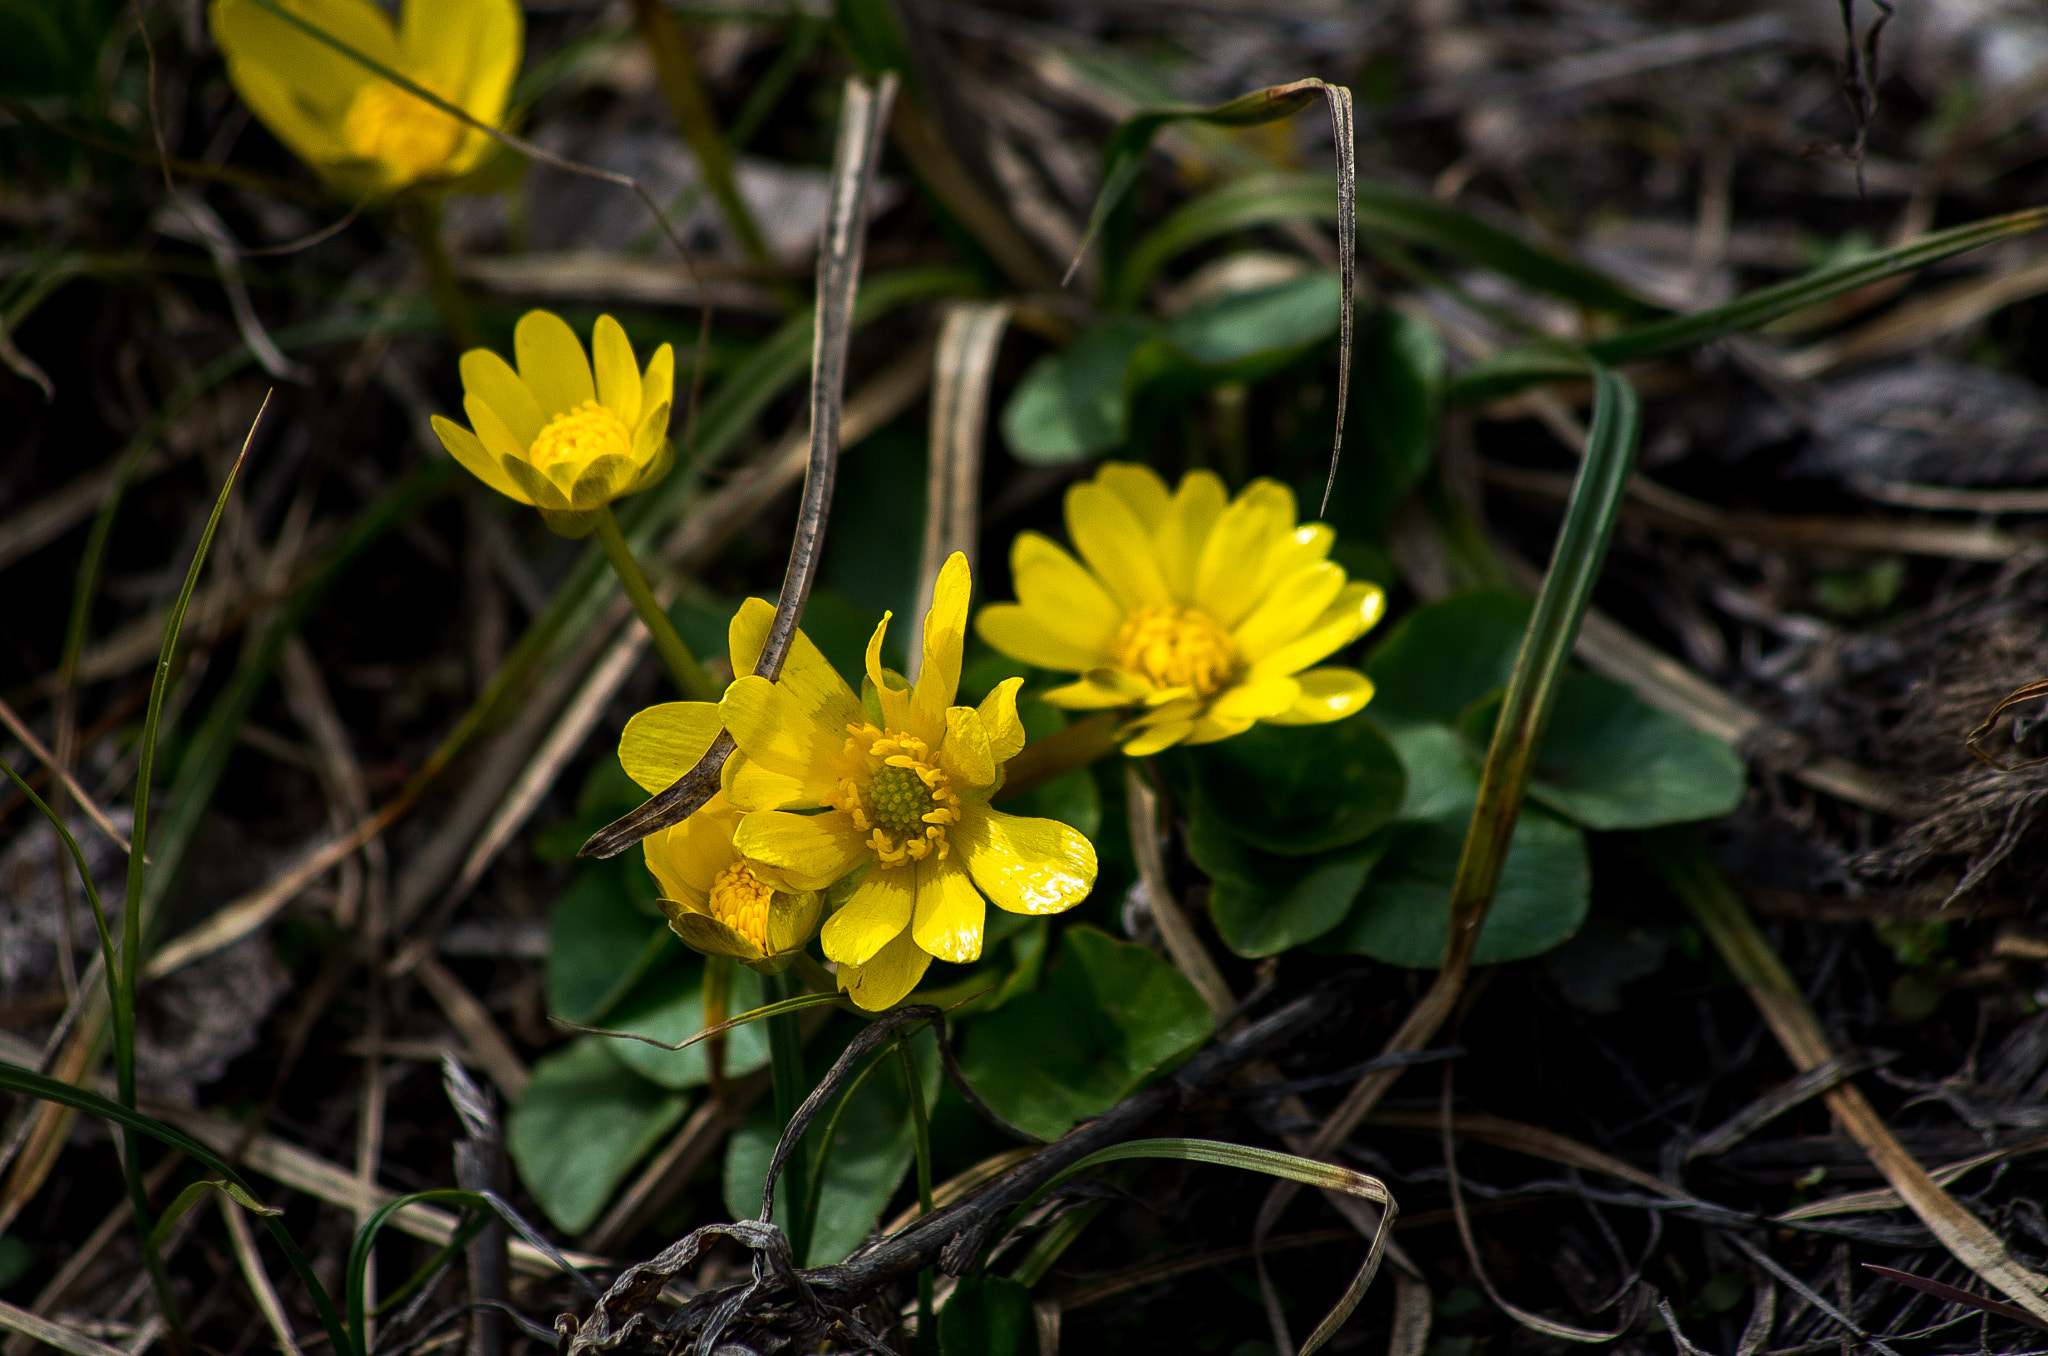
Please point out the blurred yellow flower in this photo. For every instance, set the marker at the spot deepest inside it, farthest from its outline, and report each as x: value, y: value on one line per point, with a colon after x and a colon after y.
x: 1195, y: 613
x: 357, y: 129
x: 546, y: 435
x: 897, y: 788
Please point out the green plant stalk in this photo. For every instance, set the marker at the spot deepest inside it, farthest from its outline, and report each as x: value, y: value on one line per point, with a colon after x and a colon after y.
x: 1053, y: 1244
x: 786, y: 1067
x: 921, y: 1130
x: 1080, y: 744
x: 422, y: 218
x: 131, y: 915
x: 682, y: 84
x: 830, y: 1137
x: 689, y: 675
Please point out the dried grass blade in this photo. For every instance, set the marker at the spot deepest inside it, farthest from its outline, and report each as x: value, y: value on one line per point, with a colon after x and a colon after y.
x: 1742, y: 945
x: 863, y: 116
x: 1190, y: 957
x: 1956, y: 1296
x: 963, y: 362
x: 50, y: 1334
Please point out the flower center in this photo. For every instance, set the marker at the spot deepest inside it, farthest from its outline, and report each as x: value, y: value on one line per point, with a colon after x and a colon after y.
x: 389, y: 124
x: 1177, y: 647
x: 580, y: 437
x: 896, y: 794
x: 739, y: 899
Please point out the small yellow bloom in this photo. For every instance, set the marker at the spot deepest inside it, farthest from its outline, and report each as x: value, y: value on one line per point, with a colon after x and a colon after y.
x: 1194, y: 612
x: 357, y: 129
x: 898, y: 791
x: 547, y: 435
x: 720, y: 903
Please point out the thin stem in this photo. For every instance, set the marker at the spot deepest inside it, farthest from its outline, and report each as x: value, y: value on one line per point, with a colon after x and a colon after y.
x: 786, y: 1056
x: 422, y: 217
x: 690, y: 677
x: 921, y: 1125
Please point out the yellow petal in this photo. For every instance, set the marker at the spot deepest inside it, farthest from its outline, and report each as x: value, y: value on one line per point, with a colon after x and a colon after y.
x: 965, y: 756
x: 1290, y: 607
x: 1008, y: 628
x: 894, y: 701
x: 806, y: 674
x: 949, y: 914
x: 489, y: 378
x: 1230, y: 576
x: 1159, y: 734
x: 301, y: 87
x: 653, y: 468
x: 1357, y: 607
x: 1210, y: 727
x: 878, y: 910
x: 663, y: 742
x: 808, y: 851
x: 658, y: 383
x: 540, y: 491
x: 1116, y: 546
x: 750, y: 786
x: 1063, y: 598
x: 888, y: 979
x: 1034, y: 866
x: 793, y: 918
x: 687, y: 857
x: 602, y: 481
x: 945, y: 637
x: 468, y: 449
x: 618, y: 376
x: 998, y: 712
x: 1255, y: 700
x: 1099, y: 690
x: 1326, y: 695
x: 552, y: 363
x: 1140, y: 487
x: 466, y: 50
x: 772, y: 729
x: 1196, y: 506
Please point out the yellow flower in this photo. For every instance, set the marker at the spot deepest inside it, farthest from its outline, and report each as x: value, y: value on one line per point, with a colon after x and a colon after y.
x: 720, y: 903
x: 1194, y: 612
x: 546, y: 435
x: 898, y: 789
x: 357, y: 129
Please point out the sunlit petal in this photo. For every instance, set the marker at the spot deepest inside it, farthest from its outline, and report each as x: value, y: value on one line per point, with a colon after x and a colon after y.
x: 1034, y: 866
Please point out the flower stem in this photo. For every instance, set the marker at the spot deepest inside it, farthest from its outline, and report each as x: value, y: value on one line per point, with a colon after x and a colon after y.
x: 422, y: 217
x: 690, y: 677
x: 1077, y: 746
x: 786, y: 1065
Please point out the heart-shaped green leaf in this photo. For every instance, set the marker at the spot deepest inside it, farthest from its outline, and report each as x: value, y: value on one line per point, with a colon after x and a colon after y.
x: 585, y: 1121
x: 1298, y: 789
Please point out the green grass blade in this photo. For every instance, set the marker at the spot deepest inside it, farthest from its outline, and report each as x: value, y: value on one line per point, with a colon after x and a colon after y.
x: 1265, y: 199
x: 1527, y: 365
x: 357, y: 1275
x: 108, y: 952
x: 29, y: 1083
x: 1271, y: 1163
x: 776, y: 1009
x: 197, y: 1192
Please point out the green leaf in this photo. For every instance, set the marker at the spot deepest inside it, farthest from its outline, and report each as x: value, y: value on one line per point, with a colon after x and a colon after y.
x: 585, y: 1121
x: 988, y: 1316
x: 669, y: 1007
x: 1399, y: 916
x: 1112, y: 1015
x: 1076, y: 402
x: 873, y: 1145
x: 1263, y: 904
x: 192, y: 1195
x: 1444, y: 656
x: 1297, y: 789
x: 1269, y: 198
x: 603, y: 935
x: 1239, y: 325
x: 1610, y: 761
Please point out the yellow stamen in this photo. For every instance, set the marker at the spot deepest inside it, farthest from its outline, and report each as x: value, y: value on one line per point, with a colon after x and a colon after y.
x: 580, y: 437
x: 740, y: 899
x: 389, y: 124
x: 896, y: 794
x: 1177, y: 647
